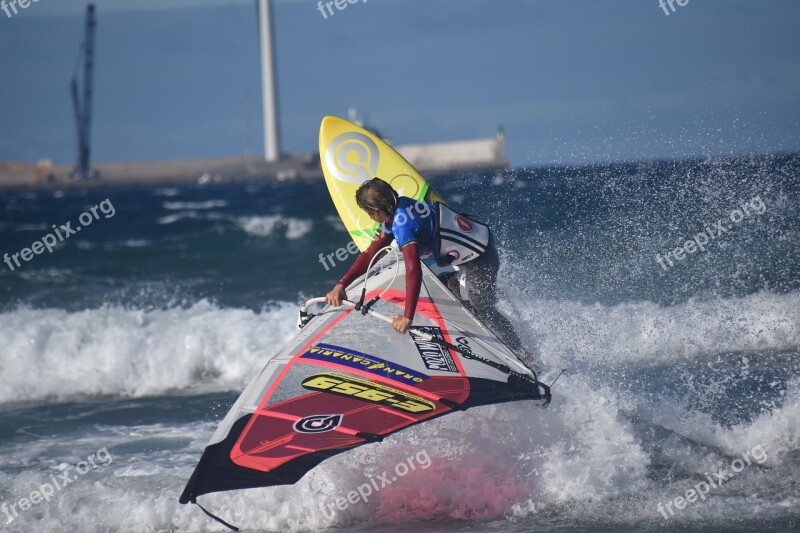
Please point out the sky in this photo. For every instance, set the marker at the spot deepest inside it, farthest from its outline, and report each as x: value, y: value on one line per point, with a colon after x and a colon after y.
x: 570, y: 81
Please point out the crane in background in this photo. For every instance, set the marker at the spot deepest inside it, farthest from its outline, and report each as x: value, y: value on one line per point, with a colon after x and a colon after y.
x: 82, y: 105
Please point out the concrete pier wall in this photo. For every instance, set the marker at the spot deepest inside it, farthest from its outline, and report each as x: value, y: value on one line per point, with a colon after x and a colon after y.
x: 433, y: 158
x: 458, y: 155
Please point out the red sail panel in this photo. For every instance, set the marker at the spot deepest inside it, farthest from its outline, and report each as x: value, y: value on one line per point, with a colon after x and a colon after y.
x: 352, y: 406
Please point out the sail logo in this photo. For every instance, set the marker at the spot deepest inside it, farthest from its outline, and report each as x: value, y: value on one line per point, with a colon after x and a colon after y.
x: 361, y: 361
x: 317, y: 423
x: 464, y: 223
x: 352, y: 157
x: 434, y: 355
x: 367, y: 391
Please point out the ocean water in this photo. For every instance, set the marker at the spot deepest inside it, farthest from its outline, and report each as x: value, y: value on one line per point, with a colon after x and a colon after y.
x: 679, y: 408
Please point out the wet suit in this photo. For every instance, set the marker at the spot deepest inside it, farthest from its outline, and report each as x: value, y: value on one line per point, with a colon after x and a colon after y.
x: 414, y: 230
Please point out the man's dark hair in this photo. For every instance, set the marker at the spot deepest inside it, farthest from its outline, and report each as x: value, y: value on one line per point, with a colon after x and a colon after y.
x: 377, y: 195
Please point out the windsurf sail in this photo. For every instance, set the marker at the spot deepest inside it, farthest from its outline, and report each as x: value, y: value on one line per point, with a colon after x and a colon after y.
x: 347, y: 379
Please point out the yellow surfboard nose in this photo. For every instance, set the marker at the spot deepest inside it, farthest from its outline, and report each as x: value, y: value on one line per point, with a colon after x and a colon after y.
x: 351, y: 155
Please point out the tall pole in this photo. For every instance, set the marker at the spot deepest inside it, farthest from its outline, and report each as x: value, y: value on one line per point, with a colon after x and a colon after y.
x: 268, y: 81
x: 82, y: 104
x: 88, y: 73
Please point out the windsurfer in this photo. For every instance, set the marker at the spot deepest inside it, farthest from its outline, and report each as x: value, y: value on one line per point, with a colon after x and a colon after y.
x: 414, y: 225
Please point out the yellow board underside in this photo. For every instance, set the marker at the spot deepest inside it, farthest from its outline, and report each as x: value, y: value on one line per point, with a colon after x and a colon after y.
x: 351, y: 155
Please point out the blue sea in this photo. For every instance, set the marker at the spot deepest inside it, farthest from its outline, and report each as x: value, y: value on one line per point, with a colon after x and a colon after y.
x: 668, y: 291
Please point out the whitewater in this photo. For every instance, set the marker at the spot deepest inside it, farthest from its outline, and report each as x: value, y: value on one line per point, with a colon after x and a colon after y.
x: 137, y: 338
